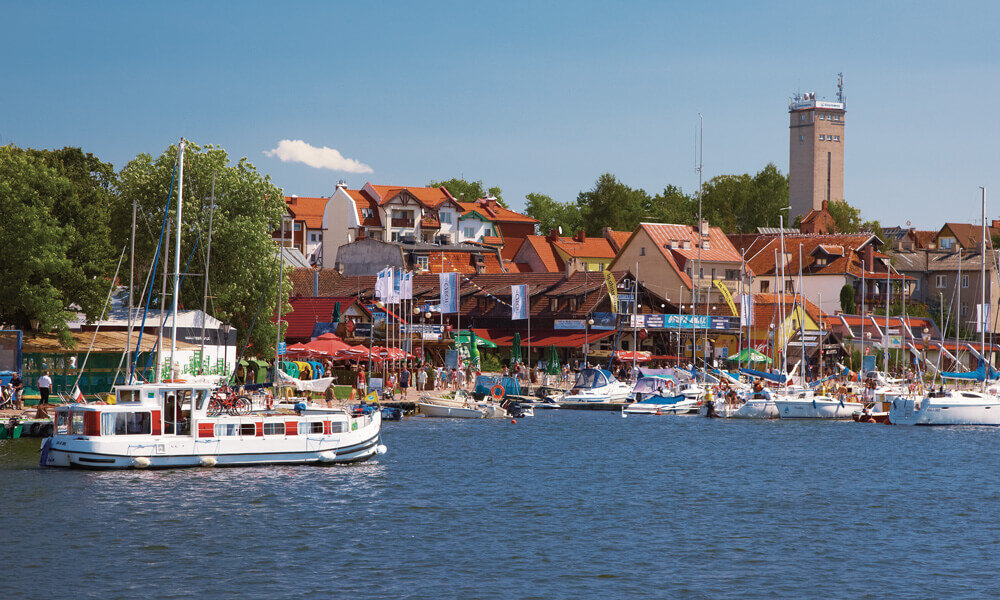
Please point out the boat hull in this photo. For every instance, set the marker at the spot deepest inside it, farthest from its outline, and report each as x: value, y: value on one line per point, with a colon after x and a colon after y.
x: 450, y: 412
x: 944, y: 411
x: 816, y: 409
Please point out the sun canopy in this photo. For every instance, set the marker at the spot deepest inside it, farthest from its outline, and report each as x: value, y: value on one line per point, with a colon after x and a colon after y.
x: 749, y: 355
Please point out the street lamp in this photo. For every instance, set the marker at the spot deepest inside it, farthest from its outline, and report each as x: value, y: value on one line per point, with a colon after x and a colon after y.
x: 586, y: 342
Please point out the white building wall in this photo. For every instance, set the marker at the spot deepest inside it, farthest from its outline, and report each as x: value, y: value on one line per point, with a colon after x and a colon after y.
x: 480, y: 229
x: 340, y: 222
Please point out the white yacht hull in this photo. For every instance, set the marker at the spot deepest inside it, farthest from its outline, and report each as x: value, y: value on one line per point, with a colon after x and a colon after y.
x: 944, y: 411
x: 686, y: 406
x: 451, y: 412
x: 756, y: 408
x: 818, y: 408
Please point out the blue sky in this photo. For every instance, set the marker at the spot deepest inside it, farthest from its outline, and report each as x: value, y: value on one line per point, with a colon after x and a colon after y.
x: 532, y: 97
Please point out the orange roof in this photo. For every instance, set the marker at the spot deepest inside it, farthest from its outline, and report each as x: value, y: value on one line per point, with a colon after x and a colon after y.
x: 720, y: 249
x: 589, y: 248
x: 510, y: 248
x: 306, y: 209
x: 766, y: 306
x: 430, y: 197
x: 845, y: 247
x: 548, y: 256
x: 967, y: 234
x: 618, y: 238
x: 362, y: 201
x: 924, y: 239
x: 462, y: 262
x: 495, y: 212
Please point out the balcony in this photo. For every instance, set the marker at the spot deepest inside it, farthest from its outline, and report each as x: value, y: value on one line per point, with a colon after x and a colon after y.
x: 401, y: 222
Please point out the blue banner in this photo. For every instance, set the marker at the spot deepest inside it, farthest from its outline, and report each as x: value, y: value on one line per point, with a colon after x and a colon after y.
x: 518, y: 302
x: 449, y: 292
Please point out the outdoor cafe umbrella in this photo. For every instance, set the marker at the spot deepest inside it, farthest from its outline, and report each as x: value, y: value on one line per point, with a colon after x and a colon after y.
x: 336, y: 313
x: 749, y: 355
x: 553, y: 361
x: 515, y: 350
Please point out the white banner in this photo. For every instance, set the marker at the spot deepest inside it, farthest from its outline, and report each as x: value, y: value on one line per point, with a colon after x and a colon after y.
x: 449, y: 292
x: 746, y: 310
x: 518, y: 302
x: 982, y: 318
x: 406, y: 288
x: 383, y: 284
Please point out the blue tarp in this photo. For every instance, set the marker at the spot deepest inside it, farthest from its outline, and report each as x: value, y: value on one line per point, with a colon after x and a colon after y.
x: 776, y: 378
x: 978, y: 375
x: 485, y: 383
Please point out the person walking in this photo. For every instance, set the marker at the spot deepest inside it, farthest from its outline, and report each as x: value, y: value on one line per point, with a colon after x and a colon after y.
x: 17, y: 385
x: 44, y: 388
x: 422, y: 380
x: 329, y: 396
x: 404, y: 381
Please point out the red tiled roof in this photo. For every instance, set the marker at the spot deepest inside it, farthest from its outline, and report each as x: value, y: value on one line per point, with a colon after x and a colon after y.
x: 463, y: 262
x: 545, y: 252
x: 766, y: 306
x: 306, y: 209
x: 306, y: 312
x: 495, y: 212
x: 591, y: 247
x: 761, y: 262
x: 510, y: 248
x: 431, y: 197
x: 720, y: 248
x: 969, y: 235
x: 363, y: 201
x: 618, y: 239
x: 924, y: 238
x: 542, y: 339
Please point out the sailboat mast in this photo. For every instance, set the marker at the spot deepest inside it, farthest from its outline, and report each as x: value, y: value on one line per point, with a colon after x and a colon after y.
x: 981, y: 313
x: 885, y: 338
x: 177, y: 256
x: 208, y: 257
x: 131, y: 289
x: 802, y: 319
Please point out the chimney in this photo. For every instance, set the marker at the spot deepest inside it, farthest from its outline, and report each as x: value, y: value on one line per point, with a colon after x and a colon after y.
x: 553, y: 235
x: 315, y: 282
x: 606, y: 232
x: 826, y: 206
x: 580, y: 236
x: 869, y: 257
x: 341, y: 185
x: 995, y: 224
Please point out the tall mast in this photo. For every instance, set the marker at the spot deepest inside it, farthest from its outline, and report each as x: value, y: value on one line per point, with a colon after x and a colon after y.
x: 163, y: 304
x: 208, y: 257
x: 861, y: 369
x: 131, y: 289
x: 802, y: 319
x: 781, y: 286
x: 885, y: 338
x: 281, y: 281
x: 981, y: 313
x: 177, y: 256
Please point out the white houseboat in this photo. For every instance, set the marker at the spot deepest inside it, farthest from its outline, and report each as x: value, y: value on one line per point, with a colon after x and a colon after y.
x: 167, y: 425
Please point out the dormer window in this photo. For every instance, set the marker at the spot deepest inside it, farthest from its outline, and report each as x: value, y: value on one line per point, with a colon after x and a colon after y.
x: 553, y: 303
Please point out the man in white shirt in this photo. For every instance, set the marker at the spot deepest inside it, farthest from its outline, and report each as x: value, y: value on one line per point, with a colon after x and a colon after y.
x: 44, y: 387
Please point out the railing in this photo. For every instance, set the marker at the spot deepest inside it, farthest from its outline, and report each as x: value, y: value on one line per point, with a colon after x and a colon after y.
x: 402, y: 222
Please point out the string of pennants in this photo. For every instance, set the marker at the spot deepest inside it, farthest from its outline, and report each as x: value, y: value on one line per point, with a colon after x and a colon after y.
x: 471, y: 282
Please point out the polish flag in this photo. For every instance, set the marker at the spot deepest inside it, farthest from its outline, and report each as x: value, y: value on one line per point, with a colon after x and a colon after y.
x: 77, y: 396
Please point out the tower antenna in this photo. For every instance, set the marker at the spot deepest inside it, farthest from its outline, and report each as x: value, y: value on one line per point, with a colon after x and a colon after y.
x: 840, y: 87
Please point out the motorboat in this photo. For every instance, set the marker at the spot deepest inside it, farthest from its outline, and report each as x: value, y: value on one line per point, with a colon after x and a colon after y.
x: 597, y: 385
x: 462, y: 406
x: 804, y: 403
x: 948, y: 407
x: 168, y: 425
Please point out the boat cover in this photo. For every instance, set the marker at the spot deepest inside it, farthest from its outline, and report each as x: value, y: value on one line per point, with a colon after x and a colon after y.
x: 590, y: 379
x: 775, y: 377
x: 485, y: 383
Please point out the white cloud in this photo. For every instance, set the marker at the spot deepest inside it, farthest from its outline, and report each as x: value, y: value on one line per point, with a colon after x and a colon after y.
x: 317, y: 158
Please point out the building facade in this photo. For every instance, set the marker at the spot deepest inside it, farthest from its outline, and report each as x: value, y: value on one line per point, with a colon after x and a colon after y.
x: 815, y: 152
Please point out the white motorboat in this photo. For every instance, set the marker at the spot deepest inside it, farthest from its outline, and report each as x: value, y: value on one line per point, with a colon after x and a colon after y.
x: 462, y: 406
x: 951, y: 407
x: 807, y: 404
x: 167, y: 425
x: 597, y: 385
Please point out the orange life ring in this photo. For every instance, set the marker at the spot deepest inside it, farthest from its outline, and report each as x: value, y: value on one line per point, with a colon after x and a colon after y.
x: 497, y: 394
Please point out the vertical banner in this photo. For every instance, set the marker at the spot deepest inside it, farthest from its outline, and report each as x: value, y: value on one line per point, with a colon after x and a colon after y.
x: 612, y: 285
x: 449, y: 292
x: 518, y: 302
x: 746, y: 310
x: 382, y: 284
x: 726, y: 295
x: 397, y: 284
x: 406, y: 288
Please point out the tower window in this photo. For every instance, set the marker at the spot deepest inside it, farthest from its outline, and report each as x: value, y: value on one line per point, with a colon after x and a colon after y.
x: 822, y: 137
x: 802, y: 117
x: 802, y: 138
x: 836, y: 138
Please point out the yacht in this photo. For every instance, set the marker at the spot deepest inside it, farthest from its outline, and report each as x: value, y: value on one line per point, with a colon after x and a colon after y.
x: 802, y: 403
x: 657, y: 396
x: 167, y: 425
x: 597, y: 385
x: 949, y: 407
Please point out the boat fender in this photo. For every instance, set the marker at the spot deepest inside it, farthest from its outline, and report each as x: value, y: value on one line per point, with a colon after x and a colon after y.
x: 140, y: 462
x: 327, y: 456
x: 208, y: 461
x: 381, y: 449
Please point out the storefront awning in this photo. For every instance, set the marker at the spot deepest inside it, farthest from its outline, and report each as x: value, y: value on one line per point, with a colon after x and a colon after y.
x: 559, y: 339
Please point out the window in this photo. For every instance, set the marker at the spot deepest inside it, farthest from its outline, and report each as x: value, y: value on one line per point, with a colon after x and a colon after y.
x: 76, y: 423
x: 822, y: 137
x: 126, y: 423
x: 248, y: 429
x: 367, y: 213
x: 395, y: 236
x: 946, y: 243
x: 836, y: 138
x: 732, y: 274
x: 553, y: 303
x: 225, y: 429
x: 965, y: 308
x: 446, y: 217
x: 298, y: 227
x: 313, y: 237
x: 469, y: 232
x: 965, y: 281
x: 789, y: 287
x: 701, y: 273
x: 765, y: 286
x: 306, y: 428
x: 802, y: 138
x: 338, y: 427
x: 274, y: 429
x: 940, y: 281
x: 802, y: 117
x: 916, y: 285
x: 423, y: 263
x: 642, y: 251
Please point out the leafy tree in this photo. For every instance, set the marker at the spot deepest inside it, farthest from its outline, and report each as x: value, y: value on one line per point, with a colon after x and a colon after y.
x: 613, y: 204
x: 672, y: 205
x: 742, y: 203
x: 847, y: 219
x: 551, y: 214
x: 55, y: 242
x: 847, y: 299
x: 469, y: 191
x: 244, y: 265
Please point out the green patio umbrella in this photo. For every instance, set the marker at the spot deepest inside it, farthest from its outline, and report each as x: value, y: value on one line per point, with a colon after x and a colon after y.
x: 515, y: 350
x: 474, y: 351
x: 553, y: 368
x: 749, y: 355
x: 336, y: 313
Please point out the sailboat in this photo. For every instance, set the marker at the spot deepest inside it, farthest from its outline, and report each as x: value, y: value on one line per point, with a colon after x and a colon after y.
x: 953, y: 406
x: 169, y: 424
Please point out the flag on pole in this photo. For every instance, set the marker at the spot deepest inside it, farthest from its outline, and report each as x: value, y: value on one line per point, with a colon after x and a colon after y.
x: 449, y: 292
x: 518, y: 302
x: 612, y: 285
x: 982, y: 317
x: 726, y: 295
x: 396, y: 287
x: 406, y: 288
x: 77, y: 395
x: 383, y: 284
x: 746, y: 310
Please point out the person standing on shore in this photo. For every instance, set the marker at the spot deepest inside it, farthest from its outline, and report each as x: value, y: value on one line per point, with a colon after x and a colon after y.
x: 329, y: 396
x: 44, y: 388
x: 404, y: 381
x: 17, y: 385
x: 422, y: 380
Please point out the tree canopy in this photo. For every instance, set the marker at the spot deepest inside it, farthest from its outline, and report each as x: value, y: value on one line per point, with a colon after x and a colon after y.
x: 551, y: 214
x: 244, y: 266
x: 469, y: 191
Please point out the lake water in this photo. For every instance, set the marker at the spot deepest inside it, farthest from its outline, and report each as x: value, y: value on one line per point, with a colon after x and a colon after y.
x: 564, y: 505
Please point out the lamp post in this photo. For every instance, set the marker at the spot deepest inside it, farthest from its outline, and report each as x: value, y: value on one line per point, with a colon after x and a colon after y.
x: 416, y: 311
x: 586, y: 341
x: 426, y: 315
x: 926, y: 336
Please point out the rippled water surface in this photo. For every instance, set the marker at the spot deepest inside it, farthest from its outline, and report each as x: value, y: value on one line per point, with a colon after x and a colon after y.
x: 564, y: 505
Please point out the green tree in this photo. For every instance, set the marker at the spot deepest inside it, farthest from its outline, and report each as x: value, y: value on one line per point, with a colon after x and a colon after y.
x: 846, y: 218
x: 55, y: 241
x: 742, y: 203
x: 244, y: 265
x: 551, y: 214
x: 847, y: 299
x: 672, y: 205
x: 469, y: 191
x: 613, y: 204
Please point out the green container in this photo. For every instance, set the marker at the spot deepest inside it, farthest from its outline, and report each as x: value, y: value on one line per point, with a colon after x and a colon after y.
x: 6, y: 433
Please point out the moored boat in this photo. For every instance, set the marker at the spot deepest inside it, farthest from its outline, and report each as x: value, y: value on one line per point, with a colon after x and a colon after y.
x: 949, y: 407
x: 807, y: 404
x: 597, y: 385
x: 167, y: 425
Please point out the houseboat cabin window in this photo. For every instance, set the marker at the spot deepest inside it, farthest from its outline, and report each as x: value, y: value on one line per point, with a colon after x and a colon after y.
x: 248, y: 429
x: 305, y: 428
x: 129, y: 396
x: 338, y: 427
x: 126, y: 423
x: 200, y: 397
x: 62, y: 422
x: 76, y: 423
x: 222, y: 429
x: 274, y: 429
